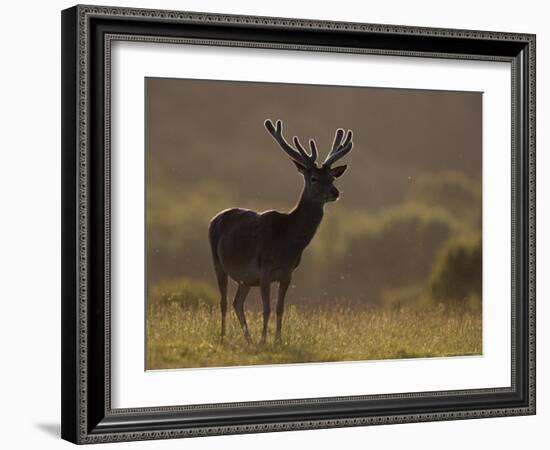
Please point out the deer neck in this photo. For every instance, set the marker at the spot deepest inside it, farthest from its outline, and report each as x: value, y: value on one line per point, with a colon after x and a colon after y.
x: 305, y: 219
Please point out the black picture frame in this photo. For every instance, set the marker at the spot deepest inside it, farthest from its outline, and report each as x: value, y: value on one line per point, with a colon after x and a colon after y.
x: 87, y: 416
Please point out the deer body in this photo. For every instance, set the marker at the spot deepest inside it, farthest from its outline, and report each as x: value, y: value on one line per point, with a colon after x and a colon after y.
x: 252, y: 246
x: 257, y: 249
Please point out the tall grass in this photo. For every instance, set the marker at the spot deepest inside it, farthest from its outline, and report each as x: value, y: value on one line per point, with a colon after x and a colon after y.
x: 183, y: 337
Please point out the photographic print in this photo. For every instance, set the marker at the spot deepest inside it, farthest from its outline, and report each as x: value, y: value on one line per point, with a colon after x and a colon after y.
x: 294, y: 223
x: 314, y: 200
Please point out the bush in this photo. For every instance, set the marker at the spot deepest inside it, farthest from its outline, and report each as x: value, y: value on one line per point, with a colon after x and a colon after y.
x: 360, y: 258
x: 404, y: 297
x: 456, y: 276
x: 453, y: 191
x: 185, y: 293
x: 177, y: 231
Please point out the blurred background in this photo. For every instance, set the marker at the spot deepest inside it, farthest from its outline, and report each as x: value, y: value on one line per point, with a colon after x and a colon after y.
x: 406, y: 230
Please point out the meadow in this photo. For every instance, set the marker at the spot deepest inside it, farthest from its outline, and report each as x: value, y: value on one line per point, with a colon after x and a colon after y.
x: 395, y: 268
x: 184, y: 336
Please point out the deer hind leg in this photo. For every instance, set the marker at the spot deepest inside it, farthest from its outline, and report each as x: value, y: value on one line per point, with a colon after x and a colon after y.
x: 283, y: 286
x: 238, y: 304
x: 265, y: 287
x: 222, y: 284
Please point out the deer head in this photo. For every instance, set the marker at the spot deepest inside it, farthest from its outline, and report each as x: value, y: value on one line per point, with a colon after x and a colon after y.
x: 319, y: 181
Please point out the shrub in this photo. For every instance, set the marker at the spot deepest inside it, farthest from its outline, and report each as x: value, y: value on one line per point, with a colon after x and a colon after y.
x: 185, y: 293
x: 452, y: 191
x: 404, y: 297
x: 456, y: 276
x: 177, y: 230
x: 362, y: 257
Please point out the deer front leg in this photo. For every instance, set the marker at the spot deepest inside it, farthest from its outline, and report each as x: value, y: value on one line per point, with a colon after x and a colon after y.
x: 265, y: 287
x: 238, y: 304
x: 283, y: 286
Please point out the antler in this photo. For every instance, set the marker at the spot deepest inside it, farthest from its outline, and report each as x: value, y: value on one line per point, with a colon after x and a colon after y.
x: 297, y: 154
x: 339, y: 149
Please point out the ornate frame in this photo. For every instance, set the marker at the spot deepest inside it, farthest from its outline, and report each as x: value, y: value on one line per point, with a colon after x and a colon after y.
x: 87, y: 33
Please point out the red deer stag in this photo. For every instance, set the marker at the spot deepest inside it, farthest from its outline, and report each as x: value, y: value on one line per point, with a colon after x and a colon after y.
x: 256, y: 249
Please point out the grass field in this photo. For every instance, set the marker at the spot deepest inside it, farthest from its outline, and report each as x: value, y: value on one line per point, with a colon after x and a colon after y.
x: 182, y: 337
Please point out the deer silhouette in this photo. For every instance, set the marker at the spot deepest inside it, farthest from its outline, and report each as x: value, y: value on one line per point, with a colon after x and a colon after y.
x: 257, y: 249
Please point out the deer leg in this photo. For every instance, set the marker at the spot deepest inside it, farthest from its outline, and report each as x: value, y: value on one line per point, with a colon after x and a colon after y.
x: 238, y: 304
x: 283, y: 286
x: 266, y: 302
x: 222, y: 284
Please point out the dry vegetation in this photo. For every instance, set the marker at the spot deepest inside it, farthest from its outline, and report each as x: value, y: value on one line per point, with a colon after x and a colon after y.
x: 395, y: 268
x: 182, y: 334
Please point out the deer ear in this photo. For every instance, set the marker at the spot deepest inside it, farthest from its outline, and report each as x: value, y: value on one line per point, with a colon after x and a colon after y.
x: 338, y: 171
x: 300, y: 168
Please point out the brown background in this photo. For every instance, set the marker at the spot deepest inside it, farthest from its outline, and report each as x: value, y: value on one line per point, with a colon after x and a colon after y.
x: 207, y: 150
